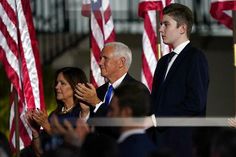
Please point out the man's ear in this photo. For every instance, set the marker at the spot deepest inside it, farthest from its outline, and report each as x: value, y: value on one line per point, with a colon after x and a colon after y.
x: 127, y: 112
x: 122, y: 62
x: 183, y: 28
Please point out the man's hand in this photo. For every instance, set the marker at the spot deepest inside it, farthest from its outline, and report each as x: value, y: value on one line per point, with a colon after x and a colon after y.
x: 87, y: 93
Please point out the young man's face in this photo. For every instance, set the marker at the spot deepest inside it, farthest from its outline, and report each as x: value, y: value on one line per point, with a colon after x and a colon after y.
x: 170, y: 33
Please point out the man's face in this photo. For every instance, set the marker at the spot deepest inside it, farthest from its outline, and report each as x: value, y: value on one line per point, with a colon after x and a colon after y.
x: 170, y: 33
x: 109, y: 64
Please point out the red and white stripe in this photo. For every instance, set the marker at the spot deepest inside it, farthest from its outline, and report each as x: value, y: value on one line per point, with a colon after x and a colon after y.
x: 102, y: 31
x: 147, y: 10
x: 19, y: 55
x: 221, y: 10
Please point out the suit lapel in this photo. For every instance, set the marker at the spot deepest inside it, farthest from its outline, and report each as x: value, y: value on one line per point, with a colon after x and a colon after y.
x: 177, y: 62
x: 101, y: 91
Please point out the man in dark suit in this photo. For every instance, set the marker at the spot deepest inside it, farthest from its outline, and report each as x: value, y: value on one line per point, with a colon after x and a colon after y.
x: 132, y: 101
x: 115, y: 61
x: 181, y: 80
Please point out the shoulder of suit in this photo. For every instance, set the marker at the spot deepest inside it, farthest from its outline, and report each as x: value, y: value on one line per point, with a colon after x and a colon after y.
x: 132, y: 80
x: 194, y: 51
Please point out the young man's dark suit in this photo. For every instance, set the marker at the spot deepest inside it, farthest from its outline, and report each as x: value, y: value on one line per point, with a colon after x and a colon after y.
x: 136, y: 145
x: 182, y: 94
x: 101, y: 92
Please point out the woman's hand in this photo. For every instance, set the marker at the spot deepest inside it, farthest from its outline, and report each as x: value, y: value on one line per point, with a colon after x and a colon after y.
x: 36, y: 143
x: 32, y: 123
x: 41, y: 117
x: 85, y: 110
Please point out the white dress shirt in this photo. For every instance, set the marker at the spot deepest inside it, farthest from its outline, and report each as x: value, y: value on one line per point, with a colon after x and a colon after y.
x: 114, y: 85
x: 177, y: 50
x: 128, y: 133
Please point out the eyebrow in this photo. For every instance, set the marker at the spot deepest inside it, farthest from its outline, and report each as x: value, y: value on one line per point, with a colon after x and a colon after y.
x: 165, y: 22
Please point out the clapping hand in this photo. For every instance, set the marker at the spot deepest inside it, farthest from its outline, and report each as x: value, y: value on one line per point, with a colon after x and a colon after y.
x: 87, y: 93
x: 31, y: 123
x: 73, y: 136
x: 41, y: 118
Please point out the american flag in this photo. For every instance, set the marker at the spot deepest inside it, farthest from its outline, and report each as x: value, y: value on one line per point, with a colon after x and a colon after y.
x: 221, y: 10
x: 150, y: 55
x: 20, y: 57
x: 102, y: 31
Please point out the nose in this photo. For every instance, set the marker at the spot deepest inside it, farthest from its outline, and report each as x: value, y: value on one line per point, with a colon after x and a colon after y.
x: 160, y: 29
x: 57, y: 86
x: 101, y: 61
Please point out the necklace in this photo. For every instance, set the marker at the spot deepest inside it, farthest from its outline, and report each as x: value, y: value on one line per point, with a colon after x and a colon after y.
x: 66, y: 110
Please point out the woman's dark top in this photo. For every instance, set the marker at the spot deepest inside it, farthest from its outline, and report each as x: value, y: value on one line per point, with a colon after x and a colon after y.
x: 71, y: 116
x: 49, y: 143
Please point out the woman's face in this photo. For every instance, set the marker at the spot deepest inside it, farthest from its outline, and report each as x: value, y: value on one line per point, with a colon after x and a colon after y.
x: 64, y: 92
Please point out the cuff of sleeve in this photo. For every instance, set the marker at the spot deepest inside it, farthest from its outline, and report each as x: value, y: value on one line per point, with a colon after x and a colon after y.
x: 97, y: 106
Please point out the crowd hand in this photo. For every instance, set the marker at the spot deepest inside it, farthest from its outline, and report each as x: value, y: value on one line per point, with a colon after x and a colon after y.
x: 232, y: 122
x: 28, y: 117
x: 82, y: 129
x: 41, y: 117
x: 87, y: 93
x: 66, y: 130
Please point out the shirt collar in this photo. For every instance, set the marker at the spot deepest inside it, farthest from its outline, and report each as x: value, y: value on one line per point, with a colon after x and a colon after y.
x: 128, y: 133
x: 179, y: 48
x: 118, y: 82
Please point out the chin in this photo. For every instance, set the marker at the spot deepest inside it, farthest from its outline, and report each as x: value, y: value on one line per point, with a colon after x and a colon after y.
x: 59, y: 98
x: 103, y: 75
x: 165, y: 42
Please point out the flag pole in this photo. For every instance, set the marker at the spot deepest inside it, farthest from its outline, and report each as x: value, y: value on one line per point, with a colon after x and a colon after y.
x: 16, y: 102
x: 158, y: 21
x: 17, y: 143
x: 234, y: 35
x: 234, y: 48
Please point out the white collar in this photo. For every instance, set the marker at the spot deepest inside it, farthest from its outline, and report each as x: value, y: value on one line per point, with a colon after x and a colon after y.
x: 118, y: 82
x: 180, y: 47
x: 128, y: 133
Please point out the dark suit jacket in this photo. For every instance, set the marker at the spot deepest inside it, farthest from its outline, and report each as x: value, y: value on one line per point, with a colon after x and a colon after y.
x: 101, y: 92
x: 182, y: 93
x: 102, y: 110
x: 136, y: 145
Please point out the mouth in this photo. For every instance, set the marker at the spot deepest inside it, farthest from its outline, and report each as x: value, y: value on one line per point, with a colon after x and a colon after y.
x: 58, y: 93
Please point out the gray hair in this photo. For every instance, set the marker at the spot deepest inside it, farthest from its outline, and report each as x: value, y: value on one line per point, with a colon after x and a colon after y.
x: 121, y: 50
